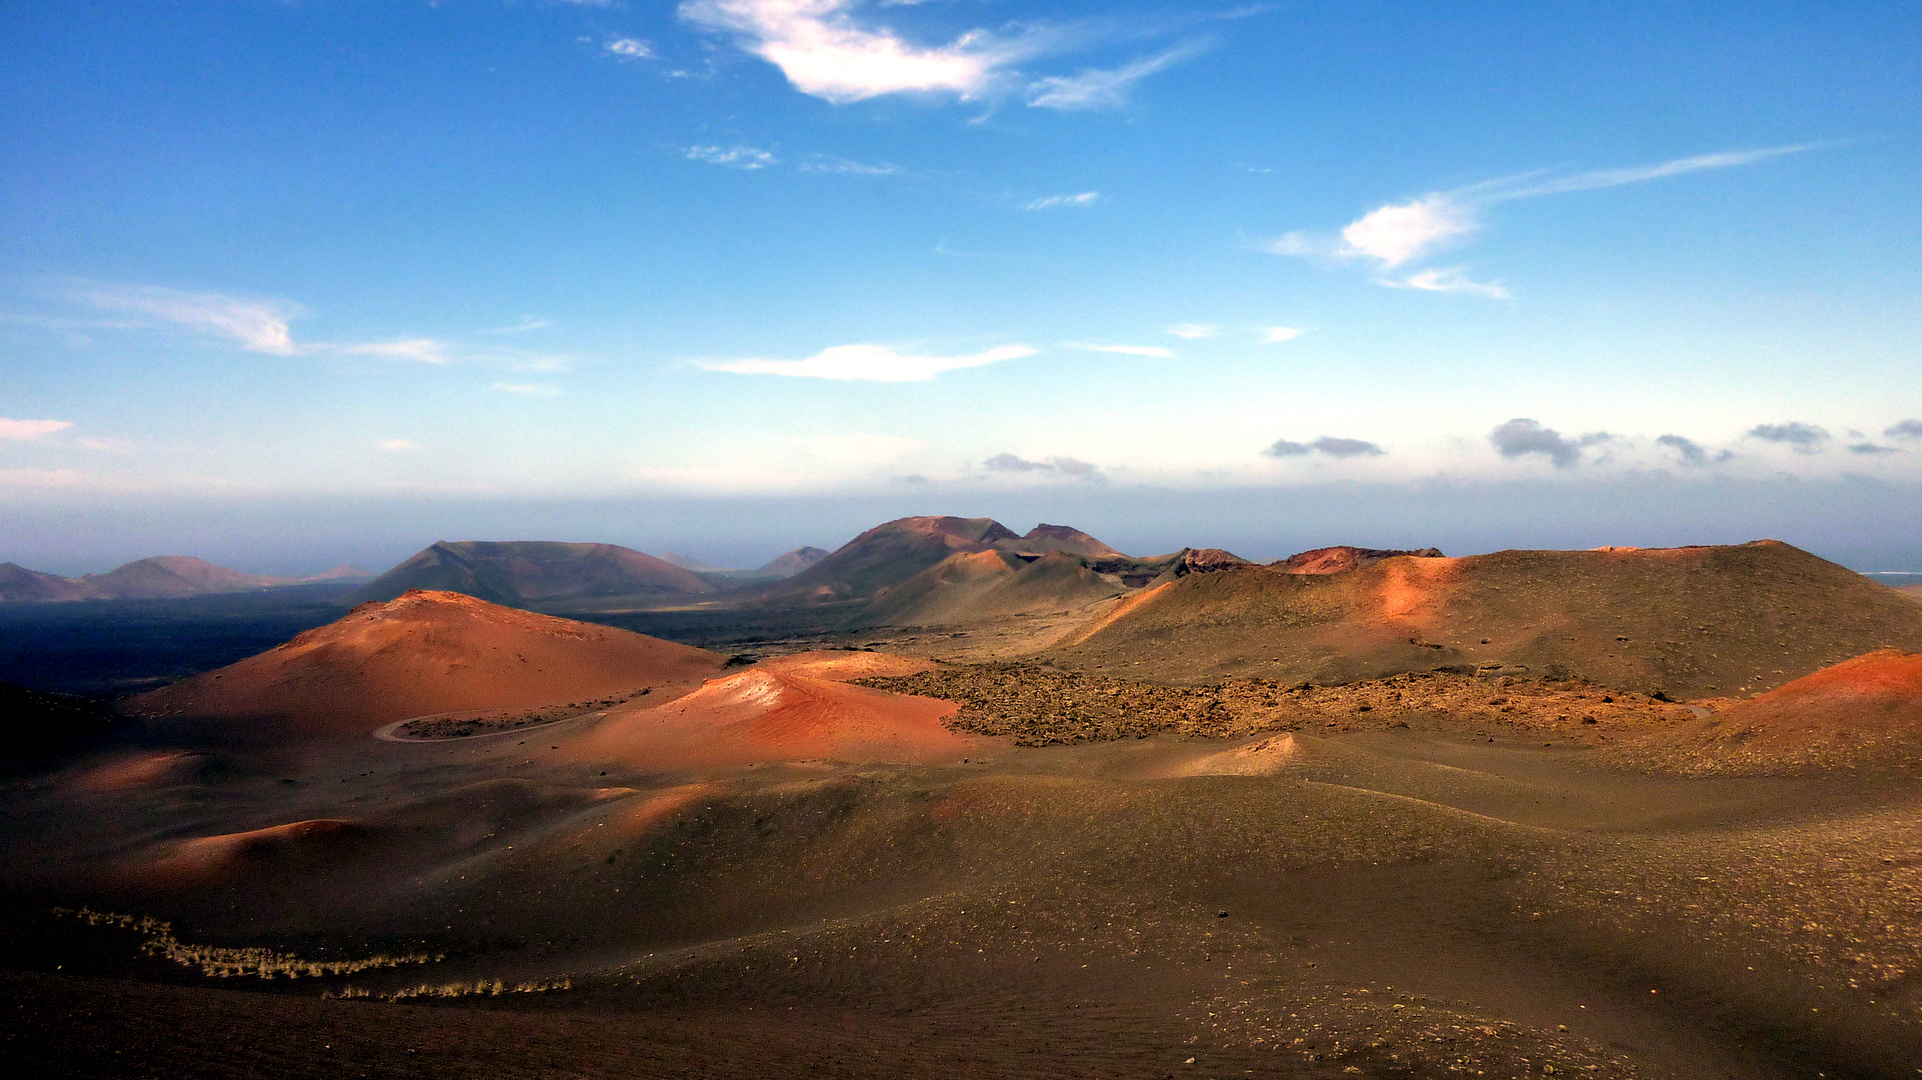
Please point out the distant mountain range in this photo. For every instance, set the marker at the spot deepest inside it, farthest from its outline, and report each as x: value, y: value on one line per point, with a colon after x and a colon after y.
x: 163, y: 577
x: 523, y: 572
x: 781, y: 566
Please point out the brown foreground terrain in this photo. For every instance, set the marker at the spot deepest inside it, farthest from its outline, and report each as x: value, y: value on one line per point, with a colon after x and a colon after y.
x: 858, y: 863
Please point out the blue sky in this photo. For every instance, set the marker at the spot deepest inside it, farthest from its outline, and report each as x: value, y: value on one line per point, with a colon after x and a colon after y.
x: 282, y: 277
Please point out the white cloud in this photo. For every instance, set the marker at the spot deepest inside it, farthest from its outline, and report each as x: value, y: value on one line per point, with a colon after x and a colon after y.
x: 874, y: 363
x: 1275, y: 335
x: 1126, y: 350
x: 1396, y: 234
x: 1099, y: 89
x: 827, y: 163
x: 1404, y: 232
x: 400, y: 446
x: 738, y: 157
x: 25, y: 430
x: 527, y: 389
x: 827, y: 53
x: 1086, y: 198
x: 630, y: 48
x: 528, y: 322
x: 418, y: 350
x: 1502, y: 191
x: 1191, y: 331
x: 1073, y: 468
x: 1450, y: 280
x: 1299, y: 243
x: 255, y: 325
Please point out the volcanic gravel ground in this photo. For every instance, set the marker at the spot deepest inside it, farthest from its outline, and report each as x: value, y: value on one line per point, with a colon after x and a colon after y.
x: 1039, y: 706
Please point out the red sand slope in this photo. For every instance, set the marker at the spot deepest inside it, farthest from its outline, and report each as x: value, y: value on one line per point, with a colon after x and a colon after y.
x: 1872, y: 696
x: 423, y: 653
x: 760, y: 715
x: 1861, y: 712
x: 212, y: 856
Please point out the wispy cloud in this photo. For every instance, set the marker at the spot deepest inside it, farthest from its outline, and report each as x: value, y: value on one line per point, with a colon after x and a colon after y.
x: 1275, y: 335
x: 528, y: 322
x: 1907, y: 429
x: 827, y: 163
x: 1527, y: 187
x: 254, y: 325
x: 1126, y: 350
x: 1107, y: 88
x: 399, y: 446
x: 826, y: 52
x: 1192, y: 331
x: 27, y: 430
x: 1051, y: 202
x: 1396, y: 234
x: 735, y: 157
x: 1453, y: 279
x: 872, y: 363
x: 527, y: 389
x: 630, y: 48
x: 417, y: 350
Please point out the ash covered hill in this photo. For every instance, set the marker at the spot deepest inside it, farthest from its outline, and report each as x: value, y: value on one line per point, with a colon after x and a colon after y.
x: 952, y: 570
x: 983, y: 585
x: 531, y: 571
x: 890, y: 554
x: 423, y: 653
x: 1690, y: 622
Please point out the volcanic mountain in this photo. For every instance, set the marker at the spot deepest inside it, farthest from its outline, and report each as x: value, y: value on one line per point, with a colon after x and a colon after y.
x: 21, y: 585
x: 425, y: 653
x: 1690, y: 622
x: 981, y: 585
x: 1333, y: 560
x: 889, y: 555
x: 690, y: 563
x: 165, y: 576
x: 157, y: 578
x: 1043, y: 538
x: 531, y: 571
x: 791, y: 563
